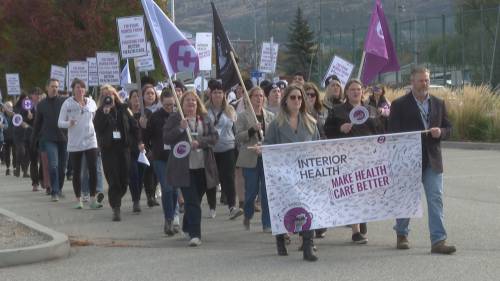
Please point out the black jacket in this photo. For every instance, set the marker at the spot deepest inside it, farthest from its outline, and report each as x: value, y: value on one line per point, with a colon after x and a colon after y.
x: 340, y: 115
x: 47, y: 114
x: 405, y: 117
x: 119, y: 118
x: 153, y: 135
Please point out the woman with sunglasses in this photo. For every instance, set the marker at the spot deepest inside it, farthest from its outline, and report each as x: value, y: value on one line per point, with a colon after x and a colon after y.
x: 293, y: 124
x: 77, y: 114
x: 315, y: 106
x: 339, y: 125
x: 379, y: 101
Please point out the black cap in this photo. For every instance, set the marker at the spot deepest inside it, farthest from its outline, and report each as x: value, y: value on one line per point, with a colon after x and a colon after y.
x: 331, y: 78
x: 269, y: 88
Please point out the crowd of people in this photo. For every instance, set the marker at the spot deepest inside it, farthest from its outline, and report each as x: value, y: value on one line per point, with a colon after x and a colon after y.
x: 195, y: 143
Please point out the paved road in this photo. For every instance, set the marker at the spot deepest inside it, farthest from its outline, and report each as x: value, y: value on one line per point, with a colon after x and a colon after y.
x: 136, y: 249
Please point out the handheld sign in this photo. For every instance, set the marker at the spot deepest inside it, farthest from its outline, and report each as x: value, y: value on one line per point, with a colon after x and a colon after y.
x: 17, y: 120
x: 145, y: 63
x: 78, y: 69
x: 268, y: 57
x: 182, y: 149
x: 340, y: 67
x: 358, y: 115
x: 93, y: 75
x: 108, y: 68
x: 59, y: 73
x: 132, y: 36
x: 13, y: 84
x: 27, y: 104
x: 204, y: 48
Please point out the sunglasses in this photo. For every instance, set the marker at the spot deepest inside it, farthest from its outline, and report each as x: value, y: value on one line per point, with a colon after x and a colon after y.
x: 311, y: 94
x: 294, y: 97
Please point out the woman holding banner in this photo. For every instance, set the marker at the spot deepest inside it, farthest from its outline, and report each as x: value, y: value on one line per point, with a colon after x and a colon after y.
x: 343, y: 122
x: 191, y: 166
x: 249, y: 133
x: 294, y: 124
x: 116, y: 128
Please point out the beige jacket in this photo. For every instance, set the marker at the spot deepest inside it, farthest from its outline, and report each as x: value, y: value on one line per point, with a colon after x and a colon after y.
x: 247, y: 158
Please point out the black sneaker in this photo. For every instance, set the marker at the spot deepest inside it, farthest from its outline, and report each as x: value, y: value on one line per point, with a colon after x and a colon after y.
x: 358, y: 238
x: 100, y: 197
x: 363, y: 228
x: 7, y: 172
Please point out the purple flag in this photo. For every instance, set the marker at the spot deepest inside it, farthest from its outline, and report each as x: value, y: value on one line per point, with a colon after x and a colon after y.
x: 380, y: 56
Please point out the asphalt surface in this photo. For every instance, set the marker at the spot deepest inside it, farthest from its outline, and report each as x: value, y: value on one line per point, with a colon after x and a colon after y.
x: 137, y: 249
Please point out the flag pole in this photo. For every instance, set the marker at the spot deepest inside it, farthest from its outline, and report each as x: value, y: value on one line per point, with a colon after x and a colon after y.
x: 179, y: 108
x: 247, y: 97
x: 139, y: 88
x: 361, y: 65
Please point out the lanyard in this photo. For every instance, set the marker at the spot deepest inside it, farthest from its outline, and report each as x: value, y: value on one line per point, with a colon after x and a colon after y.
x: 424, y: 114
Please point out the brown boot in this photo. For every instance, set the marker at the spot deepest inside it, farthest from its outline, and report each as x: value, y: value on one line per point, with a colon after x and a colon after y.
x: 441, y: 248
x: 403, y: 243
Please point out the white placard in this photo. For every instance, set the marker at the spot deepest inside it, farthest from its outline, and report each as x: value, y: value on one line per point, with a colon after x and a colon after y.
x: 78, y: 69
x: 108, y: 68
x: 93, y: 75
x: 329, y: 183
x: 204, y: 49
x: 13, y: 84
x: 132, y: 36
x: 268, y: 57
x: 340, y: 67
x: 59, y: 73
x: 146, y: 63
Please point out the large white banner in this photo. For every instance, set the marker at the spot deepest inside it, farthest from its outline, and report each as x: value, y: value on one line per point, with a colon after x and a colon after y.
x: 108, y: 68
x: 132, y: 36
x: 93, y: 75
x: 204, y: 49
x: 340, y: 67
x: 59, y: 73
x: 268, y: 57
x: 328, y: 183
x: 13, y: 84
x: 146, y: 63
x: 78, y: 69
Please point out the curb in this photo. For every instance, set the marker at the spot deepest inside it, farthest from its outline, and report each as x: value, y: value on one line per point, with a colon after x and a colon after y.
x: 471, y: 145
x: 58, y: 247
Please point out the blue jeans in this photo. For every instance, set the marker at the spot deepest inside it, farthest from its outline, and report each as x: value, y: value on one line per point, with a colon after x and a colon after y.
x: 191, y: 221
x: 433, y: 187
x: 57, y: 156
x: 255, y: 183
x: 85, y: 175
x: 136, y: 178
x: 168, y: 194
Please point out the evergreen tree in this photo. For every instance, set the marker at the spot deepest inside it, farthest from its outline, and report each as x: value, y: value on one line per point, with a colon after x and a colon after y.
x: 301, y: 45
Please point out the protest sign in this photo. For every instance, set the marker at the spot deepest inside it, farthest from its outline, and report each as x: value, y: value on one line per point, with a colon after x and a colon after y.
x: 329, y: 183
x: 59, y: 73
x: 78, y: 69
x: 268, y: 57
x: 13, y: 84
x: 204, y: 49
x: 132, y: 36
x: 340, y: 67
x: 108, y: 68
x: 93, y: 75
x: 145, y: 63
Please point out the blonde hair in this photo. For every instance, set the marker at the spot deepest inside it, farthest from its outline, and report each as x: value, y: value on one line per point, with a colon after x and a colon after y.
x: 283, y: 115
x: 113, y: 91
x: 228, y: 110
x: 200, y: 108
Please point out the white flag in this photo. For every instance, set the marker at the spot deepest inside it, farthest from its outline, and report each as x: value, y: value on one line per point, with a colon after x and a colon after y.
x: 125, y: 76
x: 176, y: 53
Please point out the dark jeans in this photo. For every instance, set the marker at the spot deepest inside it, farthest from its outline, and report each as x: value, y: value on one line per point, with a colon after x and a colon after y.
x: 226, y: 165
x: 8, y: 149
x: 149, y: 180
x: 191, y: 222
x: 168, y: 193
x: 56, y: 154
x: 76, y: 163
x: 136, y: 178
x: 116, y: 166
x: 22, y: 156
x: 36, y: 170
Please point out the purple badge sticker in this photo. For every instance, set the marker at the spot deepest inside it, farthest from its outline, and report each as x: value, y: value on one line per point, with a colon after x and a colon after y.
x: 297, y: 219
x: 27, y: 104
x: 358, y: 115
x: 181, y: 149
x: 17, y: 120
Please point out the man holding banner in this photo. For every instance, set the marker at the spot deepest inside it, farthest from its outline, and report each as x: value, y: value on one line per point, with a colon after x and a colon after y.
x: 415, y: 111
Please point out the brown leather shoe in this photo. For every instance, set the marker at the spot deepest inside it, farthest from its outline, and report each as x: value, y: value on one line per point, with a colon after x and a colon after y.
x: 441, y: 248
x: 402, y: 243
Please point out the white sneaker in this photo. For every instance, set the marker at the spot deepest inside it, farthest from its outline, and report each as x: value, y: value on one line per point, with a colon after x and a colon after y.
x: 213, y: 213
x: 235, y: 212
x: 158, y: 192
x: 85, y: 198
x: 194, y: 242
x: 176, y: 220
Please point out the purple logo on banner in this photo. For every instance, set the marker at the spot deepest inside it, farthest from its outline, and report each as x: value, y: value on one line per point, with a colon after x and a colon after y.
x: 27, y: 104
x: 297, y: 219
x: 181, y: 58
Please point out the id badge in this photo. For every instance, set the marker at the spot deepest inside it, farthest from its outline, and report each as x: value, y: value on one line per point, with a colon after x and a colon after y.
x: 166, y: 147
x: 117, y: 135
